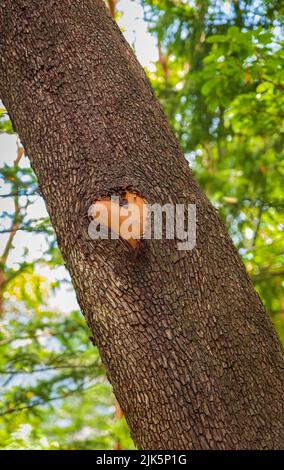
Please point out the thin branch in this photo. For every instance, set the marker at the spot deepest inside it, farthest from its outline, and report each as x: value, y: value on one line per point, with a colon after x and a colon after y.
x: 21, y: 193
x: 24, y: 229
x: 14, y: 228
x: 259, y: 217
x: 15, y: 222
x: 44, y: 402
x: 112, y: 7
x: 264, y: 275
x: 44, y: 369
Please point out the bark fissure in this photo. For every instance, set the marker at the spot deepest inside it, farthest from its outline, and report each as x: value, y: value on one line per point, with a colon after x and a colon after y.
x: 188, y: 347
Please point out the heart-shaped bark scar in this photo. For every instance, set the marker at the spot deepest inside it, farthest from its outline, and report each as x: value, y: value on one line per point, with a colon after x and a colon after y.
x: 123, y: 216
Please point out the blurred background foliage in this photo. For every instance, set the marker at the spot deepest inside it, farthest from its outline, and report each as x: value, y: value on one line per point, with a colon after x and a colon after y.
x: 220, y: 78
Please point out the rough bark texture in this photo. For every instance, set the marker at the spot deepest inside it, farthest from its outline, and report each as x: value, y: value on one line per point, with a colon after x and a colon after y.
x: 188, y: 347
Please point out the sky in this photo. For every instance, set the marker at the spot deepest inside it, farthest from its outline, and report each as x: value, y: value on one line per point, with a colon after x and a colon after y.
x: 135, y: 30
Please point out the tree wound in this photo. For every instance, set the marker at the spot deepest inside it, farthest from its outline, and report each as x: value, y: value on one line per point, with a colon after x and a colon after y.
x: 125, y: 215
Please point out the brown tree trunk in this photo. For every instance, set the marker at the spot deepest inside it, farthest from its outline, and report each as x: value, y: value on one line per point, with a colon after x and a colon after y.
x: 188, y: 347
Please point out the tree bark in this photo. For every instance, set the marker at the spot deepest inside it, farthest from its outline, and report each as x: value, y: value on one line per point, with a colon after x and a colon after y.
x: 187, y: 345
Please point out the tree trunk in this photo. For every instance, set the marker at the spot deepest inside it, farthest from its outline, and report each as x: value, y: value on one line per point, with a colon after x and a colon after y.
x: 187, y: 345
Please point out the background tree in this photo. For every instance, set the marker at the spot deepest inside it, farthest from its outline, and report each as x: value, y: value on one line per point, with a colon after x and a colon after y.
x: 235, y: 196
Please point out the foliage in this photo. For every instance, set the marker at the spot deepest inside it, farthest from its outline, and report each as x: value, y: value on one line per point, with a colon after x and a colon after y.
x: 220, y: 77
x: 54, y: 394
x: 5, y: 123
x: 220, y: 80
